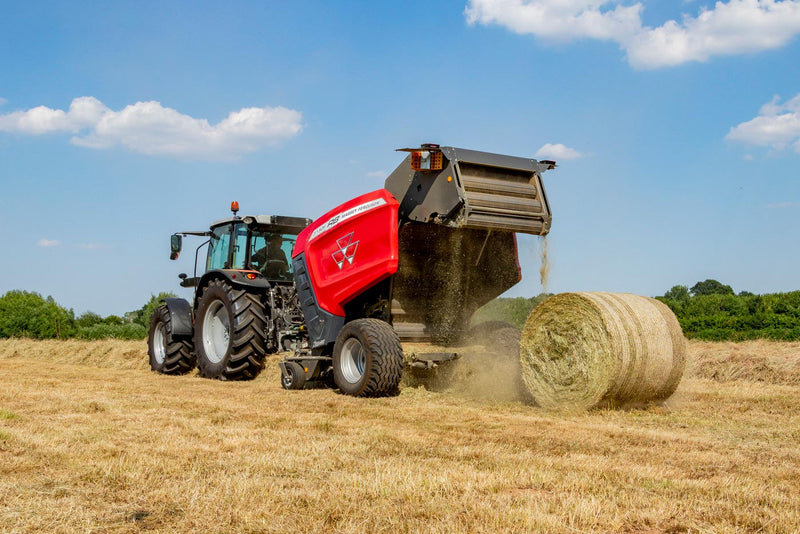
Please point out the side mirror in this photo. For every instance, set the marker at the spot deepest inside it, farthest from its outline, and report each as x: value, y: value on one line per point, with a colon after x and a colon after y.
x: 175, y: 245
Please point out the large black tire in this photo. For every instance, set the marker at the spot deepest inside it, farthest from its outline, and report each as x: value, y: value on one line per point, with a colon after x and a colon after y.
x: 367, y: 359
x: 229, y: 333
x: 169, y: 354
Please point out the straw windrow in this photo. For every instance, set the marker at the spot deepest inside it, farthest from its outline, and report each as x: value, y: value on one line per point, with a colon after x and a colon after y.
x: 583, y: 350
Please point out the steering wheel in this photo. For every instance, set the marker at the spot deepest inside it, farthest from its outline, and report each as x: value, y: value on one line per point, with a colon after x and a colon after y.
x: 279, y: 267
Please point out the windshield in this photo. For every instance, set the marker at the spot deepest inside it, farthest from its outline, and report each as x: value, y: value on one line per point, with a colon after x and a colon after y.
x: 271, y: 253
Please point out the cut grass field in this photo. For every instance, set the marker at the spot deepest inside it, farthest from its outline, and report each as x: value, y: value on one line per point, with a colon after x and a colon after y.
x: 92, y: 441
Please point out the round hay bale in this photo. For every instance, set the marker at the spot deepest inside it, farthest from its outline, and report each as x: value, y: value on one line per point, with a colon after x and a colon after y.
x: 585, y: 350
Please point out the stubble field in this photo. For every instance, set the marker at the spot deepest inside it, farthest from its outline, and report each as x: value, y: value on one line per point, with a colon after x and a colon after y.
x: 92, y: 441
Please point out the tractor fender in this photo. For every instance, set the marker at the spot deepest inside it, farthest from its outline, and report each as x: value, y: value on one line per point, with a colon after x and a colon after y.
x: 235, y: 278
x: 180, y: 314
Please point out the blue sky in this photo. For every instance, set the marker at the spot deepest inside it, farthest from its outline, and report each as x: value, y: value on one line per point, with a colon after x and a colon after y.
x: 676, y: 126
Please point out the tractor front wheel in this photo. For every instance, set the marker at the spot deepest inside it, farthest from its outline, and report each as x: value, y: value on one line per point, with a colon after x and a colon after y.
x: 229, y: 333
x: 169, y: 354
x: 367, y: 359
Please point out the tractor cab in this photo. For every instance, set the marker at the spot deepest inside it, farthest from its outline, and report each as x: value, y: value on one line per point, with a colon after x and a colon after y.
x: 258, y: 248
x: 253, y: 244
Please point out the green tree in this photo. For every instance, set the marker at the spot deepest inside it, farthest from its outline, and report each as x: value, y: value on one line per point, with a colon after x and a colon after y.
x: 113, y: 320
x: 678, y: 294
x: 711, y: 287
x: 87, y: 319
x: 28, y: 314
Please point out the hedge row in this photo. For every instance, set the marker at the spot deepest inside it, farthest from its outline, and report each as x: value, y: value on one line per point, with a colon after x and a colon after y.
x: 28, y: 314
x: 773, y: 316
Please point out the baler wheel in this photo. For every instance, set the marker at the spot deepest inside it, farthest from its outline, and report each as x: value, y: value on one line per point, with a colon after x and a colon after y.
x: 367, y: 359
x: 295, y: 377
x: 169, y: 354
x: 229, y: 333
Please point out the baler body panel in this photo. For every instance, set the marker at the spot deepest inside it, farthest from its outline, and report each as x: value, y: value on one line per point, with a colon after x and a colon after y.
x: 350, y: 248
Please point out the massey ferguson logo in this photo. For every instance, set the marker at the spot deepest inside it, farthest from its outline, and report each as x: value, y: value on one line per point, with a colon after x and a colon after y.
x: 346, y: 252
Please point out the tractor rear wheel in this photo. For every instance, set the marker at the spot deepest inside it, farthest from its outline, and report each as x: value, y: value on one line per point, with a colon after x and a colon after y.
x: 229, y: 333
x: 367, y: 359
x: 169, y: 354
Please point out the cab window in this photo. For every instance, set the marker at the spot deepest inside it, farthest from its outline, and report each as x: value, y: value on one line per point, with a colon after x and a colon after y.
x: 218, y: 248
x: 271, y: 253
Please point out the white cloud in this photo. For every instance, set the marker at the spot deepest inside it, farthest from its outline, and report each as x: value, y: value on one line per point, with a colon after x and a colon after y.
x: 557, y: 152
x: 557, y: 20
x: 733, y: 27
x: 781, y: 205
x: 377, y: 174
x: 48, y: 243
x: 150, y: 128
x: 92, y: 246
x: 83, y: 113
x: 3, y: 101
x: 777, y: 126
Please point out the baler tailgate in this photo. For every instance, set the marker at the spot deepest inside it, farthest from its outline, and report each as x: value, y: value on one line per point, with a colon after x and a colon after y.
x: 475, y: 190
x: 501, y: 199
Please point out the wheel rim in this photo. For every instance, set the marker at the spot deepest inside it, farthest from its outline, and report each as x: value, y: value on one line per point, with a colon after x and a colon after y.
x: 160, y: 343
x: 288, y: 378
x: 216, y: 332
x: 353, y: 360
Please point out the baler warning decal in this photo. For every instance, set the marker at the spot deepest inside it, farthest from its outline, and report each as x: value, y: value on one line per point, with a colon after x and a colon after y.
x: 343, y: 216
x: 347, y: 250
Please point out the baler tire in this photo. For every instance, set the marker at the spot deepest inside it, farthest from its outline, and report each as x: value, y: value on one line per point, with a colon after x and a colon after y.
x: 380, y: 355
x: 296, y: 378
x: 243, y: 358
x: 169, y: 354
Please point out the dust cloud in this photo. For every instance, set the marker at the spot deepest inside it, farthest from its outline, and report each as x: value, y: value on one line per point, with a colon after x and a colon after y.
x: 487, y: 370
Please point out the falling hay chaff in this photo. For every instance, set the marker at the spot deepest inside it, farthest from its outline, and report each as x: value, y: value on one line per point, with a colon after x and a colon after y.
x: 585, y: 350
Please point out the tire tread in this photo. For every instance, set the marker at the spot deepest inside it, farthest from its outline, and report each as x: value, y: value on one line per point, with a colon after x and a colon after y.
x: 180, y: 357
x: 247, y: 352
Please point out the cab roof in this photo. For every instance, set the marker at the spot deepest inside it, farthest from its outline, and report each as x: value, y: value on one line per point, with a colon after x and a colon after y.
x: 279, y: 223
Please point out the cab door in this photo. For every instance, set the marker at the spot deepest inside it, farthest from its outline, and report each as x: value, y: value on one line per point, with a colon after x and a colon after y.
x: 219, y: 248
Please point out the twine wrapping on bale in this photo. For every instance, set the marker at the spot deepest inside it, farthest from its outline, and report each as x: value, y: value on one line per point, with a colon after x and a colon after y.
x: 585, y: 350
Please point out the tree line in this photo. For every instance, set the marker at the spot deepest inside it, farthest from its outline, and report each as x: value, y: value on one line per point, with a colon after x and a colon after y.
x: 709, y: 310
x: 28, y: 314
x: 712, y: 311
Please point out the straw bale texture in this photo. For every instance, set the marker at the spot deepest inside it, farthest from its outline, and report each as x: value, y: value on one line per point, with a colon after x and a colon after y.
x: 585, y: 350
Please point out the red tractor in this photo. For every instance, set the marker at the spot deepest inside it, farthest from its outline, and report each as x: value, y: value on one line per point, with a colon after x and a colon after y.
x: 410, y: 262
